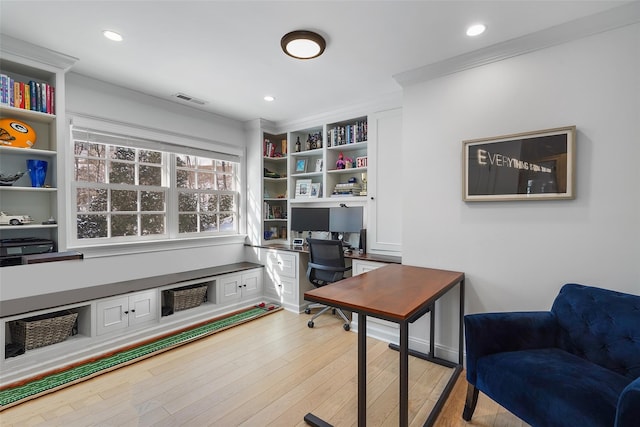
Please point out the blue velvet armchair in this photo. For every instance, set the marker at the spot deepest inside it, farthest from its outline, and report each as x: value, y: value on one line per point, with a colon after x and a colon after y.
x: 576, y: 365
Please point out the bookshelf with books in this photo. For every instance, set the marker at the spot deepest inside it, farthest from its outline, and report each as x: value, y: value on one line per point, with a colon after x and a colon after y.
x: 308, y: 172
x: 274, y: 188
x: 31, y: 93
x: 330, y: 160
x: 347, y: 158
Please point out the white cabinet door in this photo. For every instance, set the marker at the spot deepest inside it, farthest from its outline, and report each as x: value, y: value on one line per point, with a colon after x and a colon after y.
x: 281, y: 277
x: 143, y: 308
x: 230, y: 288
x: 384, y: 222
x: 252, y: 284
x: 112, y: 315
x: 119, y: 313
x: 236, y: 287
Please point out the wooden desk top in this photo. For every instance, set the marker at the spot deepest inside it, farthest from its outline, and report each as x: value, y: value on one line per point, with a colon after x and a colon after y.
x: 394, y: 292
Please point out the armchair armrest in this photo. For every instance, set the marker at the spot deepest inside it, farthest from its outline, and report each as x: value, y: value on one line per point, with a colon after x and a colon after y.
x: 628, y: 410
x: 489, y: 333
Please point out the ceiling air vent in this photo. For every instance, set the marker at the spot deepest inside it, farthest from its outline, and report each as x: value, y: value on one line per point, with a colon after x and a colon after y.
x: 187, y: 98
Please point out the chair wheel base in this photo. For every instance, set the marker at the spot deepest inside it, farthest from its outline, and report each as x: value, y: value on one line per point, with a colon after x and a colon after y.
x: 346, y: 326
x: 310, y: 324
x: 307, y: 311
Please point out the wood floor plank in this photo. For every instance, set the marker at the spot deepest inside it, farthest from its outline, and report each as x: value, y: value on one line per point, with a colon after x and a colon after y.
x: 268, y: 372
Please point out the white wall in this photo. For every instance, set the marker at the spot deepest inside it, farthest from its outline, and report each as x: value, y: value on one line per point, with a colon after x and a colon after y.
x: 517, y: 255
x: 99, y: 99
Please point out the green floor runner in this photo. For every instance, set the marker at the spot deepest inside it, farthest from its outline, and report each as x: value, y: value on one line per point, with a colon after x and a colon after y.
x: 15, y: 394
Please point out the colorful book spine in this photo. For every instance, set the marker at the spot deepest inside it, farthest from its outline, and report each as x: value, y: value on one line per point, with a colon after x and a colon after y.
x: 11, y: 92
x: 4, y: 89
x: 34, y: 95
x: 52, y: 100
x: 43, y: 102
x: 27, y: 96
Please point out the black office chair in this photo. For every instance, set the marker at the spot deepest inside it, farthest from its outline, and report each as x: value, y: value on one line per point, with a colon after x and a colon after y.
x: 326, y: 266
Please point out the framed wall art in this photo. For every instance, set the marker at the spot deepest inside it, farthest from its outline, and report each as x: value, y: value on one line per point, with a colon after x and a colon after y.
x: 537, y: 165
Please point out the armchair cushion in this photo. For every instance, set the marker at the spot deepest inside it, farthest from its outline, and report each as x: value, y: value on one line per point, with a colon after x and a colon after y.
x: 572, y: 390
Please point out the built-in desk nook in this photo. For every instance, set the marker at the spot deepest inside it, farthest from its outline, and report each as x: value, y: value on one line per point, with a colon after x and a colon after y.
x: 285, y: 280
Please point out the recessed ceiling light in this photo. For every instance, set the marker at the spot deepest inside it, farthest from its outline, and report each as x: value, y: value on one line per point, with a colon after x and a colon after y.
x: 112, y: 35
x: 269, y: 98
x: 476, y: 30
x: 303, y: 44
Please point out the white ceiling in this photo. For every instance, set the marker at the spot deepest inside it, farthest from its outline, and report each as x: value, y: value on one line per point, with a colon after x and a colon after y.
x: 228, y: 54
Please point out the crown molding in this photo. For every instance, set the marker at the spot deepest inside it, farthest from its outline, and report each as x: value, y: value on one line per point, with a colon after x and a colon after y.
x: 339, y: 113
x: 583, y: 27
x: 16, y: 48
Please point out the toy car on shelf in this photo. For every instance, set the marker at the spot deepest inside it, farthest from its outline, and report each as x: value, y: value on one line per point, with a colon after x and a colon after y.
x: 6, y: 219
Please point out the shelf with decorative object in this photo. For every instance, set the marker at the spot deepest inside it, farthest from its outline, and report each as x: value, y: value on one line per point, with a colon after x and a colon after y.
x: 312, y: 171
x: 275, y: 182
x: 33, y: 128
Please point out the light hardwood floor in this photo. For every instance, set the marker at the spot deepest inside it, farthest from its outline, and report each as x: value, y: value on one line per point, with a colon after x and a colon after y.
x: 268, y: 372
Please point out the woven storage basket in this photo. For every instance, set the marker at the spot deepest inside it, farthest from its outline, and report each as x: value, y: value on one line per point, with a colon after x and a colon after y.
x: 184, y: 298
x: 42, y: 330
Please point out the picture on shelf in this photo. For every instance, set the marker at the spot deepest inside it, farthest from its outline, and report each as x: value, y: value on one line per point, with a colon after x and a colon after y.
x: 316, y: 188
x: 277, y: 212
x: 301, y: 165
x: 319, y: 165
x: 303, y: 188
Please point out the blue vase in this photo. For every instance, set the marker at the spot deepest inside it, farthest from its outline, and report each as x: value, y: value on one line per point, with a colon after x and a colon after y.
x: 37, y: 172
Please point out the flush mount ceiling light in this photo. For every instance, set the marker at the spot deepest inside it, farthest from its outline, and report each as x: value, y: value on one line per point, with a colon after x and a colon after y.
x: 112, y: 35
x: 303, y: 44
x: 476, y: 30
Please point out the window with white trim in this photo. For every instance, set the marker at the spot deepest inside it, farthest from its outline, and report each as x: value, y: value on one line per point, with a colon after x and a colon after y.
x: 125, y: 191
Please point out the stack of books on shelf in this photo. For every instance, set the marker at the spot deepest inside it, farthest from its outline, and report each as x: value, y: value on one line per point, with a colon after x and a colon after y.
x: 35, y: 96
x: 347, y: 189
x: 272, y: 212
x: 269, y: 149
x: 348, y: 134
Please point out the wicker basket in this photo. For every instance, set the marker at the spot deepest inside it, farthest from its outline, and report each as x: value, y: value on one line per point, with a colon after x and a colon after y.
x: 40, y: 331
x: 184, y: 298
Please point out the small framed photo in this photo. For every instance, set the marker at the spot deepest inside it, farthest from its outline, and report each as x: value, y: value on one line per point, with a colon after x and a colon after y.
x: 537, y: 165
x: 301, y: 165
x: 319, y: 165
x: 303, y: 188
x: 277, y: 212
x: 316, y: 188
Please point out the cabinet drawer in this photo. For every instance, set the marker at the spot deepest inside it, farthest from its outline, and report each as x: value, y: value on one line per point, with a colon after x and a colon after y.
x: 283, y: 264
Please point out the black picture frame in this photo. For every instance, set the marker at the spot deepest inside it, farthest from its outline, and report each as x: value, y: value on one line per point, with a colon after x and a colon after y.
x: 537, y: 165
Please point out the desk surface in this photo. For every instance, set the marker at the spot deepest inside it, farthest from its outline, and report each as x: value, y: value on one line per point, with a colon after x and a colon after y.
x: 390, y: 259
x: 394, y: 292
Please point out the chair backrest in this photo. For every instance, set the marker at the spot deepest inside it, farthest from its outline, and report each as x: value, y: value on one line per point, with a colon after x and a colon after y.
x: 600, y: 325
x: 326, y: 261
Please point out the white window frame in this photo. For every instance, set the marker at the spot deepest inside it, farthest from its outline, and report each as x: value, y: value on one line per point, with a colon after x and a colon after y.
x: 169, y: 144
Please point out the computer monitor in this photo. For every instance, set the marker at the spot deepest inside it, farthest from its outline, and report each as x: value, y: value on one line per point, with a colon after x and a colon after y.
x: 345, y: 220
x: 310, y: 219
